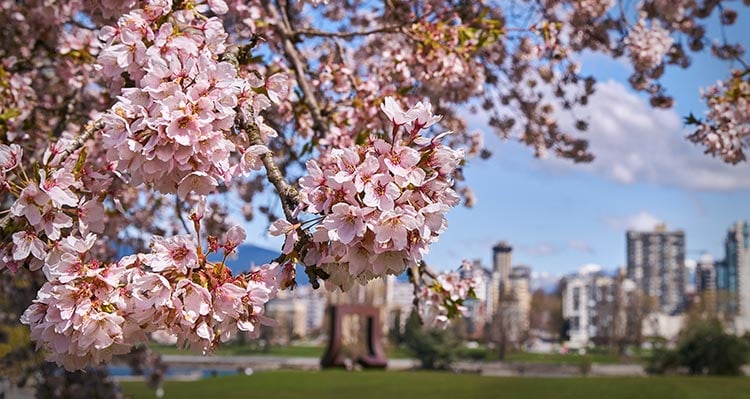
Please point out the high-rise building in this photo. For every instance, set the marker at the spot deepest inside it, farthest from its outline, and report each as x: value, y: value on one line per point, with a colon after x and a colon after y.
x: 501, y: 260
x: 520, y: 292
x: 656, y: 262
x: 706, y: 282
x: 726, y: 289
x: 705, y: 274
x: 737, y: 246
x: 582, y: 295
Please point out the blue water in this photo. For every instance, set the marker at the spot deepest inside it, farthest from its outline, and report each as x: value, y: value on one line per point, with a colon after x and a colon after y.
x: 122, y: 371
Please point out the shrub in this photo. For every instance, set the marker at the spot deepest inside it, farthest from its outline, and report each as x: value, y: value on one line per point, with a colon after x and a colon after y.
x: 703, y: 348
x: 707, y: 349
x: 435, y: 348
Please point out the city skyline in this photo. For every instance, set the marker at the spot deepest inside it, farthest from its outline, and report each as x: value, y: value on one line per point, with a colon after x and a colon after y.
x: 559, y: 215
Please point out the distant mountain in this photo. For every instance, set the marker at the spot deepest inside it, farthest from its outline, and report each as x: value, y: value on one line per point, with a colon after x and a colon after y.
x: 247, y: 256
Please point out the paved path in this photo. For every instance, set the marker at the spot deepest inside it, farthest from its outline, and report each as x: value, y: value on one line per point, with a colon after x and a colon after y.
x: 265, y: 362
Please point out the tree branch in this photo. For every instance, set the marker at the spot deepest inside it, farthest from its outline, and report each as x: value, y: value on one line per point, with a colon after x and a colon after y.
x: 348, y: 35
x: 414, y: 279
x: 289, y: 195
x: 293, y: 56
x: 88, y: 132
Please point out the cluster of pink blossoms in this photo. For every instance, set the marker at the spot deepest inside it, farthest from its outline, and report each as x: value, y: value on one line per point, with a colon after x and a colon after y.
x: 442, y: 300
x: 592, y: 8
x: 726, y: 130
x: 88, y: 311
x: 648, y: 46
x: 172, y: 126
x: 378, y: 205
x: 50, y: 205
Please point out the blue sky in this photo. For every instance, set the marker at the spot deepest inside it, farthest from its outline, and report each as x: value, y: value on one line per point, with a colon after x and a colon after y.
x: 559, y: 216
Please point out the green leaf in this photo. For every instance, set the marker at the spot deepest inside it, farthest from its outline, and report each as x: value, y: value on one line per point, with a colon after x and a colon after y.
x: 691, y: 120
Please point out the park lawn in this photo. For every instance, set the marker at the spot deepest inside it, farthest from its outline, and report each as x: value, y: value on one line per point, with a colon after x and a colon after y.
x: 594, y: 356
x: 556, y: 358
x: 384, y: 384
x: 284, y: 351
x: 403, y: 353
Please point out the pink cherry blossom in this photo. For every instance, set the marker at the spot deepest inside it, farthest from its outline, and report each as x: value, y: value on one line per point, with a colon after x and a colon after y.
x: 176, y: 252
x: 381, y: 192
x: 394, y: 112
x: 234, y: 237
x: 346, y: 222
x: 26, y: 243
x: 289, y: 230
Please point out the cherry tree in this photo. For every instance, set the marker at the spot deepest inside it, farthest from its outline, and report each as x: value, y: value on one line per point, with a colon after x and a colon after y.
x: 134, y: 123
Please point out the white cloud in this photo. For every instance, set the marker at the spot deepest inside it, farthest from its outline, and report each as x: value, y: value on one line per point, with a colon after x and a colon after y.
x: 544, y: 280
x: 556, y: 248
x: 589, y: 268
x: 581, y: 246
x: 641, y: 221
x: 634, y: 142
x: 542, y: 249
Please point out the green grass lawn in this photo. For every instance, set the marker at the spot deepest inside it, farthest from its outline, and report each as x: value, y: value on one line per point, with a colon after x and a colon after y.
x: 290, y: 351
x: 596, y: 356
x: 402, y: 353
x: 556, y: 358
x: 374, y: 384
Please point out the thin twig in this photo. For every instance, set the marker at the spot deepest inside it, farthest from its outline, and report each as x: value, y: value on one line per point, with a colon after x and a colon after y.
x: 178, y: 210
x: 88, y: 132
x: 414, y: 279
x: 424, y: 269
x: 348, y: 35
x: 293, y: 56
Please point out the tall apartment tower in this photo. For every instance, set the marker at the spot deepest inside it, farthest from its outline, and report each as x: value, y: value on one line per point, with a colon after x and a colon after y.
x: 520, y: 286
x: 706, y: 282
x: 737, y: 262
x: 501, y: 259
x: 656, y: 263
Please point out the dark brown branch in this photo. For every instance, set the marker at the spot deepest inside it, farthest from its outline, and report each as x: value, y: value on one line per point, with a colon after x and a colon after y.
x: 88, y: 132
x: 424, y: 269
x: 289, y: 195
x: 414, y: 279
x: 349, y: 35
x: 294, y: 57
